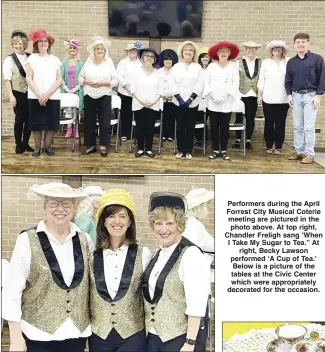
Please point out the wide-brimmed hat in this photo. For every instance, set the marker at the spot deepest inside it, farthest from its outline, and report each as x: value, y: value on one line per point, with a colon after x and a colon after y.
x: 58, y: 190
x: 188, y: 42
x: 275, y: 43
x: 72, y: 42
x: 19, y: 33
x: 251, y: 44
x: 141, y: 51
x: 36, y: 35
x: 234, y: 50
x: 93, y: 190
x: 198, y: 196
x: 135, y: 45
x: 204, y: 50
x: 116, y: 197
x: 96, y: 41
x: 167, y: 199
x: 169, y: 52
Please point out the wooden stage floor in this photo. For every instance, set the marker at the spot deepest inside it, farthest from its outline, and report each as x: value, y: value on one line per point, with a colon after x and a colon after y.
x: 66, y: 162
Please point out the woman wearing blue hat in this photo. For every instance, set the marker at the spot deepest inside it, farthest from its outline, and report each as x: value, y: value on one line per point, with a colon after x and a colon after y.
x: 167, y: 59
x: 146, y: 90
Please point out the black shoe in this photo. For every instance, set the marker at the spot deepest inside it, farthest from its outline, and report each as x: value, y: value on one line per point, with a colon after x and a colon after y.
x: 150, y: 154
x: 29, y: 148
x: 169, y: 139
x: 36, y: 152
x: 89, y: 150
x: 138, y: 154
x: 103, y: 153
x: 19, y: 149
x: 236, y: 145
x: 49, y: 151
x: 249, y: 145
x: 225, y: 156
x: 214, y: 155
x: 164, y: 139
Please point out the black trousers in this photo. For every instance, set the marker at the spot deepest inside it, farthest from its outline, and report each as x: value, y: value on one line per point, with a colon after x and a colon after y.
x: 219, y: 123
x: 186, y: 119
x: 115, y: 343
x: 275, y: 123
x: 21, y: 125
x: 126, y: 115
x: 103, y: 108
x: 69, y: 345
x: 145, y: 126
x: 250, y: 113
x: 169, y: 115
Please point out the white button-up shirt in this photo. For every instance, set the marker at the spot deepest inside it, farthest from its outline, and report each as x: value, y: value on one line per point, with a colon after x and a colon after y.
x: 251, y: 69
x: 194, y: 274
x: 114, y: 265
x: 18, y: 273
x: 167, y: 78
x: 8, y: 65
x: 271, y: 81
x: 125, y: 68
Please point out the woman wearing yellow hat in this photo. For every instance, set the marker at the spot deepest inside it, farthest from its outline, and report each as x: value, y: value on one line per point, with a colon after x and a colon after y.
x: 116, y: 304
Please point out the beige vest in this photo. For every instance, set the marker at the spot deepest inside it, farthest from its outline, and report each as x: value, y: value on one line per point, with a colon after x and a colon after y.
x: 126, y: 315
x: 18, y: 82
x: 245, y: 83
x: 45, y: 305
x: 168, y: 315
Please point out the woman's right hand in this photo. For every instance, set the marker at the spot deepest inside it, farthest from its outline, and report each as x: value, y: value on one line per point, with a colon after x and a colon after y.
x: 13, y: 101
x: 18, y: 345
x: 259, y: 100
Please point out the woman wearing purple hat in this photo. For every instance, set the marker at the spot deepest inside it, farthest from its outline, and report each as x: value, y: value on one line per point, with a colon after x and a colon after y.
x: 146, y: 89
x: 272, y: 93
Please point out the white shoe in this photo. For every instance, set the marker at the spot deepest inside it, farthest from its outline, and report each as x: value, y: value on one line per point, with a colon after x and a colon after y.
x: 179, y: 155
x: 188, y: 156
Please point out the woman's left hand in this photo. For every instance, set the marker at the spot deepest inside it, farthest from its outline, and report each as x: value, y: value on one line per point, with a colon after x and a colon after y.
x: 102, y: 84
x: 187, y: 348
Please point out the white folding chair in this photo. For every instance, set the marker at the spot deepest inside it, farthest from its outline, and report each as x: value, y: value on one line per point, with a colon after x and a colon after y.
x: 239, y: 107
x: 69, y: 105
x: 116, y: 110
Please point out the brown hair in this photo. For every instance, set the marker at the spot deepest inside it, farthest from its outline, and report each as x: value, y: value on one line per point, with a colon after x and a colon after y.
x: 301, y: 36
x: 35, y: 47
x: 103, y: 236
x: 161, y: 213
x: 23, y: 39
x: 283, y: 55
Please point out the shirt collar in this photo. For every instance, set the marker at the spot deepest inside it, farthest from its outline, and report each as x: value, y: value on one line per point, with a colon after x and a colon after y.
x: 41, y: 227
x: 124, y: 248
x: 169, y: 250
x: 244, y: 57
x: 306, y: 55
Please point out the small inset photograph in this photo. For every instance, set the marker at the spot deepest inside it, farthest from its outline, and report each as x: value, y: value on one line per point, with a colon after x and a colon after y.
x: 273, y: 336
x: 107, y: 263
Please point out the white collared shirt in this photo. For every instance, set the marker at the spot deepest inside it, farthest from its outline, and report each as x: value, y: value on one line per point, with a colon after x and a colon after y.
x: 114, y: 264
x: 8, y: 65
x: 271, y: 81
x: 18, y: 273
x: 251, y: 69
x: 193, y: 272
x: 125, y: 68
x: 167, y: 78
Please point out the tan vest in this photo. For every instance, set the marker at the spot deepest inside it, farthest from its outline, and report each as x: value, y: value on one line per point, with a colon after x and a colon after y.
x: 45, y: 304
x: 246, y: 83
x: 168, y: 315
x: 125, y: 314
x: 18, y: 82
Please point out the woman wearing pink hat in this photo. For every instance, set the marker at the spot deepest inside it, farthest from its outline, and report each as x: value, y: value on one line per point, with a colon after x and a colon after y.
x: 43, y: 76
x: 272, y: 93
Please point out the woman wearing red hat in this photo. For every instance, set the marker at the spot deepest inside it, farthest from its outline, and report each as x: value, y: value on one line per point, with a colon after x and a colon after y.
x: 43, y: 77
x: 221, y: 89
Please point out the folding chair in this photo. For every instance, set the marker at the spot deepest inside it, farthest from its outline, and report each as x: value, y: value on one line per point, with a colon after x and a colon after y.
x: 240, y: 108
x: 69, y: 105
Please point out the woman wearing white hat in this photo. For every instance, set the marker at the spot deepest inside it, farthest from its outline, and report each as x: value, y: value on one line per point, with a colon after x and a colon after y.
x: 124, y: 68
x: 98, y: 76
x: 272, y: 93
x: 46, y: 293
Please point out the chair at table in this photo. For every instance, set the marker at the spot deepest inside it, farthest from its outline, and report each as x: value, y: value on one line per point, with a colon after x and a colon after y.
x: 239, y: 107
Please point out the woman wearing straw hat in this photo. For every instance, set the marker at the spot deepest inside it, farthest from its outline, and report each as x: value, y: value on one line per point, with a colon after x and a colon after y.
x: 272, y: 93
x: 221, y: 91
x: 176, y: 283
x: 167, y: 59
x: 188, y: 89
x: 46, y: 291
x: 124, y: 69
x: 71, y: 67
x: 14, y: 75
x: 43, y: 77
x: 116, y: 304
x: 146, y: 89
x: 98, y: 76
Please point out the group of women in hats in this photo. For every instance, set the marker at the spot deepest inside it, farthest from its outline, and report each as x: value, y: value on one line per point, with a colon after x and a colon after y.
x: 183, y: 84
x: 61, y: 289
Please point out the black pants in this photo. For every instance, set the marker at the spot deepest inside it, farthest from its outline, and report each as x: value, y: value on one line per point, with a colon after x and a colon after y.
x: 115, y: 343
x: 154, y: 344
x: 169, y: 115
x: 126, y: 115
x: 219, y: 122
x: 69, y: 345
x: 21, y: 125
x: 250, y: 113
x: 145, y: 126
x: 103, y: 108
x: 186, y: 119
x: 275, y: 123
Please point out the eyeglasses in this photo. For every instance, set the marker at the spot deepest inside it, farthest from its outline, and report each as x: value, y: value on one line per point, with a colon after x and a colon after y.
x: 149, y: 56
x: 54, y: 203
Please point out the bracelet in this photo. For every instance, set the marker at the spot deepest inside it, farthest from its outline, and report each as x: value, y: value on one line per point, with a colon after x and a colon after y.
x: 190, y: 342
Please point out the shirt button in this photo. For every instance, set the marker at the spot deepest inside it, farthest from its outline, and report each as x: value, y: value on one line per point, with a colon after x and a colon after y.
x: 68, y: 311
x: 68, y: 290
x: 68, y: 301
x: 152, y: 313
x: 113, y: 313
x: 153, y: 308
x: 113, y: 322
x: 112, y: 304
x: 153, y: 320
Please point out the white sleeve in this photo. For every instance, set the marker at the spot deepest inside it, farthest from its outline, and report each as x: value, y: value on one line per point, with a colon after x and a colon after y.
x: 261, y: 79
x: 7, y: 68
x: 15, y: 280
x: 194, y: 272
x: 198, y: 88
x: 82, y: 77
x: 235, y: 81
x: 121, y: 73
x: 146, y: 256
x: 114, y: 80
x: 132, y: 82
x: 207, y: 79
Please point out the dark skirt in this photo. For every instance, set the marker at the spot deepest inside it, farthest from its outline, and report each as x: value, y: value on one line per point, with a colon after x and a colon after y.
x: 44, y: 118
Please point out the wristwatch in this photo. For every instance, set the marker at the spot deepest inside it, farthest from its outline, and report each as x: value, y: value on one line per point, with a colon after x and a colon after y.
x: 190, y: 342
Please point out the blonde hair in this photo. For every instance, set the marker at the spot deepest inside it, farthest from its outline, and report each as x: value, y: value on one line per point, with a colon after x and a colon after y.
x: 283, y: 56
x: 23, y: 39
x: 67, y: 52
x: 161, y: 213
x: 86, y: 206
